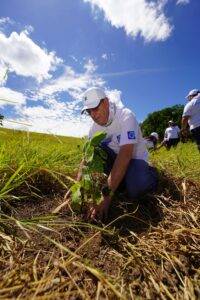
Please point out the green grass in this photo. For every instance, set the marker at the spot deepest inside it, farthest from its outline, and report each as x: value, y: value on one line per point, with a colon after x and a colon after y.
x: 38, y: 151
x: 149, y: 252
x: 180, y: 162
x: 22, y: 155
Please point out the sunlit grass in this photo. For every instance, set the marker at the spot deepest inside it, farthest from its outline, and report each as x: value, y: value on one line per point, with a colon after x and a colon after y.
x: 23, y: 154
x: 180, y: 162
x: 45, y: 256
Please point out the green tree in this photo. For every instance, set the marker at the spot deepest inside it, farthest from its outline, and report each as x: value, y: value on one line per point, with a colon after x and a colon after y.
x: 1, y: 120
x: 158, y: 120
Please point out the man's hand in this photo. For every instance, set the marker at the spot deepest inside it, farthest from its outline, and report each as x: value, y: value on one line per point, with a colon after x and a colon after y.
x: 100, y: 211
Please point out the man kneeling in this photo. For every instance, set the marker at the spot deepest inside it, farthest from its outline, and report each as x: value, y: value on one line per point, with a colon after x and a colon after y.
x: 126, y: 163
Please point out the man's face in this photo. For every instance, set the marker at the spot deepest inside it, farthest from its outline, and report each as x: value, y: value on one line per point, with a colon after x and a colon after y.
x: 100, y: 114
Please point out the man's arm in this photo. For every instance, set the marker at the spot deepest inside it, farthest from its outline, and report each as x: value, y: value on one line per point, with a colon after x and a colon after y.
x: 116, y: 175
x: 166, y: 134
x: 184, y: 123
x: 120, y: 166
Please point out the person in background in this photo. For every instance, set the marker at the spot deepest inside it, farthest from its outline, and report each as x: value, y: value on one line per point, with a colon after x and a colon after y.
x: 127, y: 158
x: 172, y: 135
x: 191, y: 116
x: 152, y: 140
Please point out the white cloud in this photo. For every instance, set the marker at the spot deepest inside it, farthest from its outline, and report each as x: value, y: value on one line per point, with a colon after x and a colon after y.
x: 4, y: 21
x: 25, y: 57
x: 72, y: 82
x: 104, y: 56
x: 20, y: 54
x: 3, y: 74
x: 58, y: 118
x: 11, y: 97
x: 115, y: 96
x: 90, y: 67
x: 182, y: 2
x: 137, y: 17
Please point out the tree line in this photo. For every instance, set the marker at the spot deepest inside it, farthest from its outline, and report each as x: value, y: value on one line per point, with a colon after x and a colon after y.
x: 158, y: 120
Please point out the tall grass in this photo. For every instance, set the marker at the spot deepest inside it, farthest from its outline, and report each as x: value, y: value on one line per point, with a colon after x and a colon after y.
x: 24, y: 154
x: 149, y: 252
x: 180, y: 162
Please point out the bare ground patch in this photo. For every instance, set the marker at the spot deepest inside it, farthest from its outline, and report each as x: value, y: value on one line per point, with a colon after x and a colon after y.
x: 146, y: 250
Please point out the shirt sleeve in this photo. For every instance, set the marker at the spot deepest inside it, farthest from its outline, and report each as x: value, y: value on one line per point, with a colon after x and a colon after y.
x: 129, y: 130
x: 188, y: 109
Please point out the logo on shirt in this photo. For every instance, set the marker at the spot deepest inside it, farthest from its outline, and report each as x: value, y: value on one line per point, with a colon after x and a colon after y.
x: 131, y: 135
x: 118, y: 138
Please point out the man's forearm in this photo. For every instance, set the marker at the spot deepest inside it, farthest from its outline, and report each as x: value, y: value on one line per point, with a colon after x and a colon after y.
x: 184, y: 122
x: 119, y: 168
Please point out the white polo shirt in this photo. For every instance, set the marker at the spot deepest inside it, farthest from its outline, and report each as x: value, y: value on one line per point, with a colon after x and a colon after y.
x: 192, y: 110
x: 123, y: 130
x: 172, y: 132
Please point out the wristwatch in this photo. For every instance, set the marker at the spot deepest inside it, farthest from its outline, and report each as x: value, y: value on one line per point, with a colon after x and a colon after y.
x: 106, y: 191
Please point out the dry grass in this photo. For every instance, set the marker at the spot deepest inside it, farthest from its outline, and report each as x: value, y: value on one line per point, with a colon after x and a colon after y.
x: 146, y: 250
x: 138, y: 255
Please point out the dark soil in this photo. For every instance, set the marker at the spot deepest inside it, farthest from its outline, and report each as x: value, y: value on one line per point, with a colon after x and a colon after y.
x: 147, y: 249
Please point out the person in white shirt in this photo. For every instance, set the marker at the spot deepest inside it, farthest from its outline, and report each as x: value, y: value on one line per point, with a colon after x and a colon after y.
x: 191, y: 116
x: 151, y: 141
x: 126, y: 164
x: 172, y: 135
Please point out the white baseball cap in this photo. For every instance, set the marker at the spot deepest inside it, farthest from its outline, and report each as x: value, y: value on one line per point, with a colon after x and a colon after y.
x: 154, y: 134
x: 92, y: 98
x: 193, y: 92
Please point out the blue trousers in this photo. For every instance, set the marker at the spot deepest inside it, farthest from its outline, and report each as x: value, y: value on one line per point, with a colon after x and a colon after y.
x: 196, y: 135
x: 140, y: 178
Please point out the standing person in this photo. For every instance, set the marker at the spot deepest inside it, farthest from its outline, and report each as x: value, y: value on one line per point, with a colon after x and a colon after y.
x: 191, y: 116
x: 172, y: 135
x: 126, y: 163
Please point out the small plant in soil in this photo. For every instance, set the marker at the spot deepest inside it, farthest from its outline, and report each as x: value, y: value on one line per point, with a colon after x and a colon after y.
x: 87, y: 191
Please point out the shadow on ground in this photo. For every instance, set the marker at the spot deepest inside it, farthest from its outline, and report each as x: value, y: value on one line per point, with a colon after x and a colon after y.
x: 141, y: 214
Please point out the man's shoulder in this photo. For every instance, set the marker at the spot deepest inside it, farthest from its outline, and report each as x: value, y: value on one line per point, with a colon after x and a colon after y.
x: 124, y: 112
x: 192, y: 103
x: 188, y: 106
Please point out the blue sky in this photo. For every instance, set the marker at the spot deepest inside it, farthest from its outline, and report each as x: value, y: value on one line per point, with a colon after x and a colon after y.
x: 144, y: 53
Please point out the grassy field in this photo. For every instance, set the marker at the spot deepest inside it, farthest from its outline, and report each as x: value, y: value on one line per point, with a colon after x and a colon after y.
x: 146, y: 250
x: 181, y: 162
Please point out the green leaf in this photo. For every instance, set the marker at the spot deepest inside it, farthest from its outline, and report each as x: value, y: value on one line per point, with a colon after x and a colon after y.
x: 97, y: 138
x: 95, y: 166
x: 76, y: 196
x: 97, y: 198
x: 86, y: 182
x: 86, y: 146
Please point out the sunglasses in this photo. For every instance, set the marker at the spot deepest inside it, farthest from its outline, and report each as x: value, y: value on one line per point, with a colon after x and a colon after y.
x: 90, y: 110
